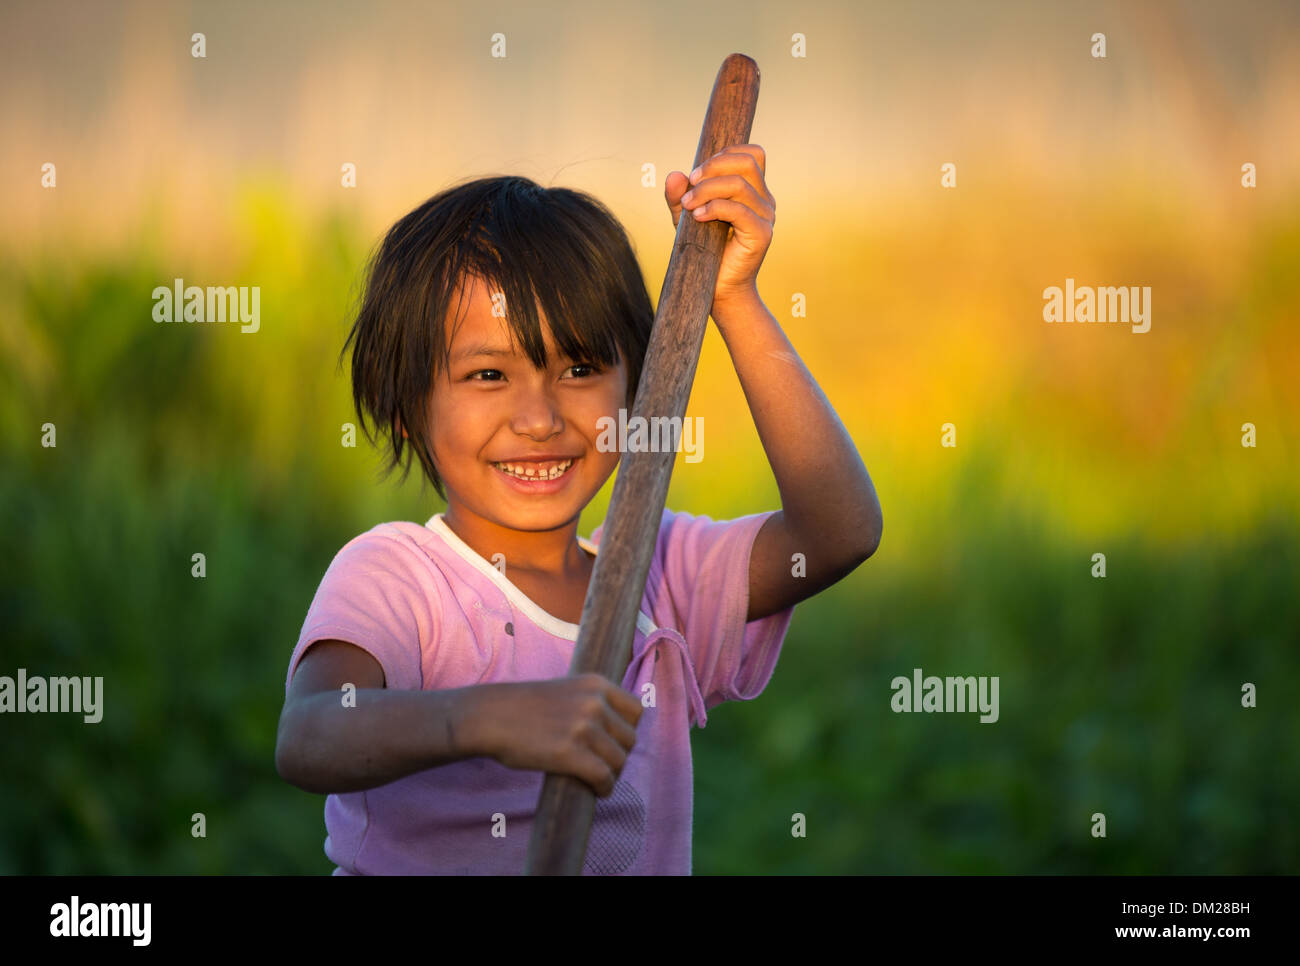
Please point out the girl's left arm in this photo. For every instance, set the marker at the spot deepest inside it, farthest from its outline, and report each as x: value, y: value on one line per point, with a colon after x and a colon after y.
x: 829, y: 510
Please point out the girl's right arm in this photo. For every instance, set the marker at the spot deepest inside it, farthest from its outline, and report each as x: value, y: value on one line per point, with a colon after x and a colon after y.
x: 582, y: 726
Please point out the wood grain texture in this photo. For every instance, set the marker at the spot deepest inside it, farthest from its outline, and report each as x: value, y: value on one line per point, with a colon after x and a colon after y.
x: 566, y: 806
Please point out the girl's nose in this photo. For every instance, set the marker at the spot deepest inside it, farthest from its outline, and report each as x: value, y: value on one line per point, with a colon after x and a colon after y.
x: 537, y: 415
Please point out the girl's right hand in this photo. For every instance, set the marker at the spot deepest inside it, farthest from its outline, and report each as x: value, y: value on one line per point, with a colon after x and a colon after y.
x: 583, y: 726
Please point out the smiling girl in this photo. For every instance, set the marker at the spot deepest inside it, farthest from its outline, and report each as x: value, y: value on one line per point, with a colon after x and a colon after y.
x: 428, y: 691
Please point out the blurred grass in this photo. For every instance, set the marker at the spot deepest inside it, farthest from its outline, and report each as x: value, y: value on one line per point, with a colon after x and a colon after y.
x: 1119, y: 695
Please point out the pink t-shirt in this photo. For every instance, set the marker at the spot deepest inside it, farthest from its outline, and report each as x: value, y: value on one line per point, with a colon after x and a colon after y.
x: 436, y: 615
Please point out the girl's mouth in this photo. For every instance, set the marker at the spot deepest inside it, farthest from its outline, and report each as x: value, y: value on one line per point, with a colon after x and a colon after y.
x: 537, y: 477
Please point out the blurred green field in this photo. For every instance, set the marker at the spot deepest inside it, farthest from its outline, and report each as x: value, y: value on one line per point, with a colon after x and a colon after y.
x: 1119, y: 696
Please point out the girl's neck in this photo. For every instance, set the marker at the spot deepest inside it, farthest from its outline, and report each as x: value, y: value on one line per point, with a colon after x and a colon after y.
x: 554, y: 552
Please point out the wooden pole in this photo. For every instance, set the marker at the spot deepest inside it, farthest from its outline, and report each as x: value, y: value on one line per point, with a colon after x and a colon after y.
x: 567, y: 805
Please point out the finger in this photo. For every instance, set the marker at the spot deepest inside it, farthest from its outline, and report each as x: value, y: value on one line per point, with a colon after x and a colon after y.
x: 742, y: 217
x: 593, y: 683
x: 733, y: 187
x: 675, y: 185
x: 747, y: 160
x: 730, y: 158
x: 674, y: 188
x: 595, y: 771
x: 755, y: 151
x: 627, y: 705
x: 610, y: 752
x: 620, y: 730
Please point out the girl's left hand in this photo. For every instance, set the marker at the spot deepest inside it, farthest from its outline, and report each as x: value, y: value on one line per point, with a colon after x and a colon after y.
x: 730, y: 187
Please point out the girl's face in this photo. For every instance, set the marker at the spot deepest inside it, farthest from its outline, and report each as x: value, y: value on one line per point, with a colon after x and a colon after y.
x: 495, y: 407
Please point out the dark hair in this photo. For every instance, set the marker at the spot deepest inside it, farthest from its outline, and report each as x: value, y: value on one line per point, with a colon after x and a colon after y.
x: 554, y: 246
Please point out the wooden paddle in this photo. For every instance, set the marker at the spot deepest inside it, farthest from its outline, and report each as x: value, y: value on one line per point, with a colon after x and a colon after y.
x: 566, y: 806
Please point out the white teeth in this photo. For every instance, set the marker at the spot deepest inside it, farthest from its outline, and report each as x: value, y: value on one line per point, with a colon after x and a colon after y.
x: 526, y: 471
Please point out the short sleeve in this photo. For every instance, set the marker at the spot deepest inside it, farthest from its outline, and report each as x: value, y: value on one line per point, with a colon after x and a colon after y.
x: 705, y: 573
x: 374, y: 596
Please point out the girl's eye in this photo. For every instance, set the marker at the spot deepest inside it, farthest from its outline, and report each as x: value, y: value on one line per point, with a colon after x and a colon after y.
x: 489, y: 375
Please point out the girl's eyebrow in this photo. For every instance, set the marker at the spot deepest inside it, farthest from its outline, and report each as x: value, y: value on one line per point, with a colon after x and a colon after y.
x: 482, y: 350
x: 486, y: 350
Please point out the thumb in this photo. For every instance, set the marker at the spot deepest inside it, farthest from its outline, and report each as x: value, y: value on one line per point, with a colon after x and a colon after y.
x: 675, y: 185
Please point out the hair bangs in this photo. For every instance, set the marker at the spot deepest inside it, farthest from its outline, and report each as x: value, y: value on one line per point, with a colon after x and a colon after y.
x: 530, y: 255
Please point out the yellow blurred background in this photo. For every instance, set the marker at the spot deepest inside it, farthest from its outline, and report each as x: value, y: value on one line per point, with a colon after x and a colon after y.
x: 924, y: 303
